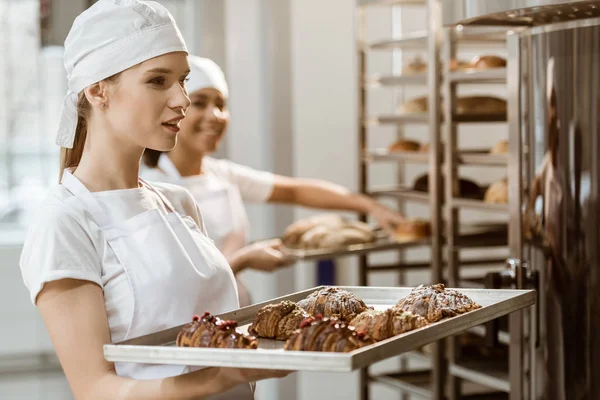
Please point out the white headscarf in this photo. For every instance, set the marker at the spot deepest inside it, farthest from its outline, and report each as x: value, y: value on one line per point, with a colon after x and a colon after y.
x: 107, y: 38
x: 204, y: 74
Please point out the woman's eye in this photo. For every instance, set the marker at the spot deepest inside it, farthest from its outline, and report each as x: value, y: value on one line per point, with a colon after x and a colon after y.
x: 159, y: 81
x: 183, y: 81
x: 199, y: 104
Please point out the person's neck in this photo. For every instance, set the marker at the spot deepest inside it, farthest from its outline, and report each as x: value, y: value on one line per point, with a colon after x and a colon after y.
x: 187, y: 164
x: 108, y: 165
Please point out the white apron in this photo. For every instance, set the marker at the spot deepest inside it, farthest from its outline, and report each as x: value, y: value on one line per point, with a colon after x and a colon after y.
x: 222, y: 211
x: 174, y: 271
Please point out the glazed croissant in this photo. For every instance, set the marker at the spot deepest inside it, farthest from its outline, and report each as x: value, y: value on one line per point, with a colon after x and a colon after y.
x: 210, y: 331
x: 333, y: 302
x: 324, y: 334
x: 435, y: 302
x: 381, y: 325
x: 277, y: 321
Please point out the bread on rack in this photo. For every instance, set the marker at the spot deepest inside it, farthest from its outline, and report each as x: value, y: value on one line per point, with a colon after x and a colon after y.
x: 467, y: 188
x: 211, y: 331
x: 500, y: 147
x: 384, y: 324
x: 327, y: 334
x: 458, y: 65
x: 465, y: 105
x: 404, y: 145
x: 434, y: 302
x: 333, y: 302
x: 277, y: 321
x: 497, y: 193
x: 417, y: 105
x: 293, y: 234
x: 415, y: 66
x: 412, y: 229
x: 480, y: 105
x: 487, y: 62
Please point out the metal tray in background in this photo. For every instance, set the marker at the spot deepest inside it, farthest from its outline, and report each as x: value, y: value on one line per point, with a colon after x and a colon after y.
x: 159, y: 348
x: 383, y: 242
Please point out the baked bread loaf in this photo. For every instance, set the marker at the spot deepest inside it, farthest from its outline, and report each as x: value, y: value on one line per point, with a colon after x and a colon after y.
x: 414, y: 66
x: 277, y: 321
x: 459, y: 65
x: 497, y: 193
x: 434, y: 302
x: 467, y: 188
x: 500, y: 147
x: 211, y: 331
x: 415, y: 106
x: 404, y: 145
x: 333, y: 302
x: 480, y: 105
x: 465, y: 105
x: 487, y: 62
x: 293, y: 233
x: 414, y: 229
x: 324, y: 334
x: 381, y: 325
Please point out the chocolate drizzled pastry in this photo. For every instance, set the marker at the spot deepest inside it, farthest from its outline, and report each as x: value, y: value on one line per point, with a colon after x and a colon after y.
x: 381, y: 325
x: 333, y: 302
x: 211, y: 331
x: 435, y: 302
x: 327, y: 334
x: 277, y: 321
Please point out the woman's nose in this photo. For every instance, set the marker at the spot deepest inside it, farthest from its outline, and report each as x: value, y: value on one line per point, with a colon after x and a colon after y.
x: 179, y: 98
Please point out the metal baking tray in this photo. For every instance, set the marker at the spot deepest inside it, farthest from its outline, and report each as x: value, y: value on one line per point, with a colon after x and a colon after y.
x: 159, y: 348
x: 382, y: 242
x: 395, y: 156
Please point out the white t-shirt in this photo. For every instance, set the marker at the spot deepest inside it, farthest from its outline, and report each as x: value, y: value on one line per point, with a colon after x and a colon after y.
x: 65, y: 242
x: 254, y: 186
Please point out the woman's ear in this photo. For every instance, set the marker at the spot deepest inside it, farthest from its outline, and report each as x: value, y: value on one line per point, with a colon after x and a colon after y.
x: 97, y: 94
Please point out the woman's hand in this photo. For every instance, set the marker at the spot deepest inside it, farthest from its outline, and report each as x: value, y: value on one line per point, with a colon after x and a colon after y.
x: 263, y: 256
x: 239, y: 376
x: 385, y: 217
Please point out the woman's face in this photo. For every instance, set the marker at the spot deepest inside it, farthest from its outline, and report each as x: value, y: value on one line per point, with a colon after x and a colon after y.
x: 205, y: 122
x: 148, y: 102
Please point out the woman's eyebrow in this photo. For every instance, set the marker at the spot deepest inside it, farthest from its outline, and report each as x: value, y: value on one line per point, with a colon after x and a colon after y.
x: 164, y: 71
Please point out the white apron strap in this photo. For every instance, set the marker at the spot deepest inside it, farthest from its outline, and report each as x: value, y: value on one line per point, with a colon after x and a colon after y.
x: 165, y: 201
x: 78, y: 189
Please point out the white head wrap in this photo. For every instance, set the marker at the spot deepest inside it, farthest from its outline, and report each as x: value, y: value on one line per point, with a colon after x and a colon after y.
x: 205, y: 73
x: 107, y: 38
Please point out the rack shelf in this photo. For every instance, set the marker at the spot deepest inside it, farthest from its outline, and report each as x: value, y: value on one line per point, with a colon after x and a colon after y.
x: 413, y: 118
x: 365, y: 3
x: 379, y: 155
x: 481, y: 157
x: 493, y: 374
x: 478, y: 205
x: 495, y: 75
x: 396, y: 80
x: 401, y: 192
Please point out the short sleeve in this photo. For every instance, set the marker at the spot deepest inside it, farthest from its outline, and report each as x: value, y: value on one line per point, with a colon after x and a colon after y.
x: 57, y: 247
x: 254, y: 185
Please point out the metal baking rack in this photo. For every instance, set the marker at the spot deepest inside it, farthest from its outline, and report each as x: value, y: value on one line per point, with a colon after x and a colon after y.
x: 493, y: 375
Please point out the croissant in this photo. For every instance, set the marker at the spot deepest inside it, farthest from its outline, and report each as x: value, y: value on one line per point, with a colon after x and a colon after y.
x: 211, y: 331
x: 381, y: 325
x: 333, y: 302
x: 325, y: 334
x: 277, y: 321
x: 435, y: 302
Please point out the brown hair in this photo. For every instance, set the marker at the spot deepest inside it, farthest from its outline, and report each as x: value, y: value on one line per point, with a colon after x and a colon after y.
x: 150, y: 157
x: 70, y: 158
